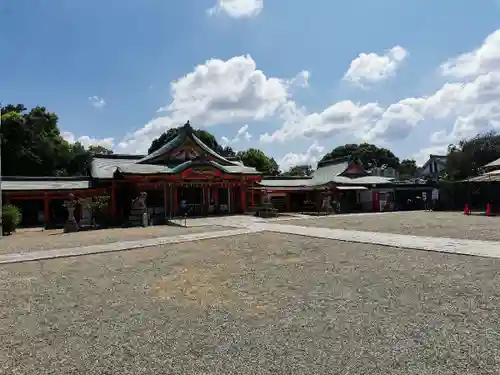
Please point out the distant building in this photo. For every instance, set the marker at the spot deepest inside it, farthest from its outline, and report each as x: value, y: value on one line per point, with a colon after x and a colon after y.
x: 433, y: 167
x: 342, y: 179
x: 493, y: 166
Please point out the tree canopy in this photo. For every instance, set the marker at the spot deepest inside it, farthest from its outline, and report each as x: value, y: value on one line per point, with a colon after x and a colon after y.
x: 407, y: 169
x: 367, y: 154
x: 299, y: 170
x: 206, y: 137
x: 256, y: 158
x: 31, y: 145
x: 466, y: 158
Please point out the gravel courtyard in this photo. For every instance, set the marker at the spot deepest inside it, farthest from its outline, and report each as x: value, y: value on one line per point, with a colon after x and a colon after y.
x: 252, y: 304
x: 56, y: 239
x: 419, y: 223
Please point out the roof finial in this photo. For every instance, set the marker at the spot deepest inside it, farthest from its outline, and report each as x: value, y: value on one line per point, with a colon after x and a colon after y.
x: 187, y: 128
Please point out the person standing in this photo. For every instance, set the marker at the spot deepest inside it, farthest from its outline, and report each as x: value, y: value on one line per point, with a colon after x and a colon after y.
x: 183, y: 207
x: 426, y: 201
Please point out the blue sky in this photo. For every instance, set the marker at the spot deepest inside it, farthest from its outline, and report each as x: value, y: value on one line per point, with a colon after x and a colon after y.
x: 106, y: 67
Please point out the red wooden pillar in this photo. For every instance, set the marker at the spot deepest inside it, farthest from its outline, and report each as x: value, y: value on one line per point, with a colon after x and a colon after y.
x: 206, y: 194
x: 243, y: 193
x: 215, y: 193
x: 289, y: 203
x: 113, y: 199
x: 46, y: 210
x: 252, y: 196
x: 175, y: 199
x: 230, y: 198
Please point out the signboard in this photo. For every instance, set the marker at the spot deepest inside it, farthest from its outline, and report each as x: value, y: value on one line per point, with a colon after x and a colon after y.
x: 201, y: 173
x: 435, y: 194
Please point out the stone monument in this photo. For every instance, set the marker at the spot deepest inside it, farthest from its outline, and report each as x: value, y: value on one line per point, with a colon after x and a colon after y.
x: 71, y: 224
x: 266, y: 209
x: 326, y: 205
x: 139, y: 211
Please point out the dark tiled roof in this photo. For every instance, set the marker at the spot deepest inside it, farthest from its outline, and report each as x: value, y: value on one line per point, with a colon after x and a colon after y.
x: 327, y: 172
x: 104, y: 166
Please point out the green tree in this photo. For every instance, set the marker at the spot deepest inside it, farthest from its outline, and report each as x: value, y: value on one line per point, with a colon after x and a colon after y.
x: 407, y: 169
x: 368, y: 155
x: 31, y: 142
x: 206, y: 137
x: 32, y: 145
x: 466, y: 158
x: 299, y: 170
x: 260, y: 161
x: 99, y: 150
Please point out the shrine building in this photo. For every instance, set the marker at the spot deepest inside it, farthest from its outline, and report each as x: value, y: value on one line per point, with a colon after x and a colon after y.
x: 183, y: 170
x: 186, y: 173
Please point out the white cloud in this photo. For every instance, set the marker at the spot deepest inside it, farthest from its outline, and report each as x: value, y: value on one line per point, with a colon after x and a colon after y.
x: 87, y: 141
x: 301, y: 79
x: 217, y: 93
x: 238, y: 8
x: 482, y: 60
x: 370, y: 68
x: 227, y: 92
x: 241, y: 134
x: 310, y: 157
x: 344, y: 116
x: 97, y: 102
x: 471, y: 106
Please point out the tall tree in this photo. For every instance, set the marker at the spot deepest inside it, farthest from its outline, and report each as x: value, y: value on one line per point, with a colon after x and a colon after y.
x: 260, y: 161
x: 368, y: 154
x: 206, y: 137
x: 299, y: 170
x: 407, y: 169
x: 32, y: 145
x: 31, y: 142
x: 466, y: 158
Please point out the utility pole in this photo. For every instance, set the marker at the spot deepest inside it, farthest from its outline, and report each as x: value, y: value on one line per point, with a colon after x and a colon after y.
x: 1, y: 202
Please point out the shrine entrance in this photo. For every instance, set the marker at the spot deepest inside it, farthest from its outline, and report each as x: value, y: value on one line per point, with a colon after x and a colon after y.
x: 194, y: 198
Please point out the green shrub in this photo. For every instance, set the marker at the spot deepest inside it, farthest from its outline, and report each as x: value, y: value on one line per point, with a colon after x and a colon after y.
x: 11, y: 216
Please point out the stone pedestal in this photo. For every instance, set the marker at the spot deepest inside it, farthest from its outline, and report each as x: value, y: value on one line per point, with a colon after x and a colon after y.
x: 70, y: 226
x: 138, y: 210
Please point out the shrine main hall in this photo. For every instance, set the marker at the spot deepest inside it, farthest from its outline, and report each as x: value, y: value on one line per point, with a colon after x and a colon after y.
x: 184, y: 174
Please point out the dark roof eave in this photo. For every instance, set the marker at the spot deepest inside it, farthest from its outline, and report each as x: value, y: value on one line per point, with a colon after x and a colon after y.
x: 46, y: 178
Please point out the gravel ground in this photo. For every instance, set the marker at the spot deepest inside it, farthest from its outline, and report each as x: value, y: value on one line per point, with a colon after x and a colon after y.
x: 253, y: 304
x: 56, y: 239
x: 432, y: 224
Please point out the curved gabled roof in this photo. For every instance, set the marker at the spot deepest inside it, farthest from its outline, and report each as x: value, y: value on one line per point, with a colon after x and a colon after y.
x: 186, y: 132
x: 105, y: 166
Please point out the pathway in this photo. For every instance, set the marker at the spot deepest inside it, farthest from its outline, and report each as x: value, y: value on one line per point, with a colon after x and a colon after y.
x: 249, y: 224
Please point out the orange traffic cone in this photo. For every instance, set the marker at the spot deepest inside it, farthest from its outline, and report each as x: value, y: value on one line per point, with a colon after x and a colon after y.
x: 466, y: 209
x: 488, y: 209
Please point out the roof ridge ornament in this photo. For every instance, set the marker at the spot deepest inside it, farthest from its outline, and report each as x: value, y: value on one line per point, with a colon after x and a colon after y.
x: 188, y: 129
